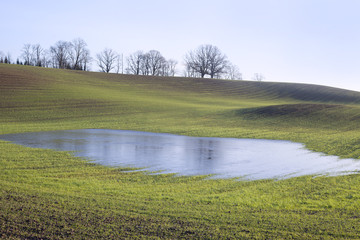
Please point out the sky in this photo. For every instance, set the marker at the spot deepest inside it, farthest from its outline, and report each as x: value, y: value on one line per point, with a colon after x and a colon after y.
x: 303, y: 41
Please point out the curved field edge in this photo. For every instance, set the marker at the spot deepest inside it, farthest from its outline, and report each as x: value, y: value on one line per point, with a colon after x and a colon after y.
x: 49, y: 194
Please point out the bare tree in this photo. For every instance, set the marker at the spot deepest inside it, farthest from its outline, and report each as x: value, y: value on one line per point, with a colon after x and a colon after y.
x: 169, y: 68
x: 106, y: 60
x: 119, y: 64
x: 258, y: 77
x: 79, y: 54
x: 33, y: 54
x: 197, y: 61
x: 207, y: 59
x: 61, y: 54
x: 150, y: 63
x: 218, y: 62
x: 27, y: 54
x: 134, y: 63
x: 145, y: 64
x: 37, y: 52
x: 155, y: 62
x: 87, y: 59
x: 233, y: 72
x: 190, y: 72
x: 172, y: 67
x: 46, y: 58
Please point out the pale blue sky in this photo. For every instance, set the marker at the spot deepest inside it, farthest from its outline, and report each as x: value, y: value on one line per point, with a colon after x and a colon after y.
x: 308, y: 41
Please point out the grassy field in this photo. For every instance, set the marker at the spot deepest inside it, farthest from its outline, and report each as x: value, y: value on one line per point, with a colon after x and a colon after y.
x: 50, y: 194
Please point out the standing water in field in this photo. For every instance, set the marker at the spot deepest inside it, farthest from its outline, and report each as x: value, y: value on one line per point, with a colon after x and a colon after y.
x: 224, y: 157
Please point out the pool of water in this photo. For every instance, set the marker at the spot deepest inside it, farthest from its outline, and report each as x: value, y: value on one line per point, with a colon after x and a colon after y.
x: 223, y: 157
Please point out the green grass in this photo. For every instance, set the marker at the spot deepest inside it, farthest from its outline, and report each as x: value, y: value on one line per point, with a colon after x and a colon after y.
x: 50, y: 194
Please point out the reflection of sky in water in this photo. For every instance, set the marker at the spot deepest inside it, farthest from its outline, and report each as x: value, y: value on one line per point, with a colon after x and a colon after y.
x: 226, y: 157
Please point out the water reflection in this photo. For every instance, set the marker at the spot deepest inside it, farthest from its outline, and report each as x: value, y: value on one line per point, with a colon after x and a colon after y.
x: 225, y: 157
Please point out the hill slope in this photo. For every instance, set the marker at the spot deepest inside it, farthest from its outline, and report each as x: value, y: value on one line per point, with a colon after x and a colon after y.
x: 37, y: 99
x: 46, y: 194
x: 26, y: 78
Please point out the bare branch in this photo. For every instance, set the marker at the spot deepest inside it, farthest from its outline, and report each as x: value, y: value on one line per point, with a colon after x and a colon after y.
x: 27, y: 54
x: 134, y: 63
x: 61, y: 54
x: 107, y: 60
x: 258, y: 77
x: 233, y: 72
x: 206, y: 59
x: 79, y: 54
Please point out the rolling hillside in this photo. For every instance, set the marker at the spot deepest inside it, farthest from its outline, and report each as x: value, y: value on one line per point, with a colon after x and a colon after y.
x: 24, y: 78
x: 36, y: 99
x: 46, y: 194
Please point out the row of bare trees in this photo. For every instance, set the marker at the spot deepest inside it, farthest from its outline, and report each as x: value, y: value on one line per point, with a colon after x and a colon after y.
x: 205, y: 61
x: 138, y: 63
x: 63, y: 54
x: 72, y: 55
x: 209, y: 60
x: 150, y: 63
